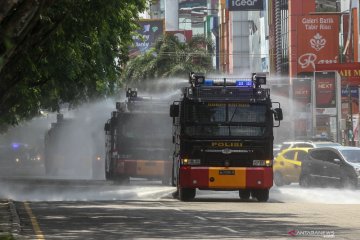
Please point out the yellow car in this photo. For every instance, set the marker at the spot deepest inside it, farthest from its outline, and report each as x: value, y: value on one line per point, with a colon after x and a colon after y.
x: 287, y: 165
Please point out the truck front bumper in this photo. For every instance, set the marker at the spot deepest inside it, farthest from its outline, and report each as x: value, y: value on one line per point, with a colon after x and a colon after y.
x: 222, y: 178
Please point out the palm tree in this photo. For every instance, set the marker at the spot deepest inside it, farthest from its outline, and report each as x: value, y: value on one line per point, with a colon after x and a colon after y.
x: 170, y: 58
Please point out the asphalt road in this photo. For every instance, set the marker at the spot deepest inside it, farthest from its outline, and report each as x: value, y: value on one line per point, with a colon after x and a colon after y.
x: 62, y: 209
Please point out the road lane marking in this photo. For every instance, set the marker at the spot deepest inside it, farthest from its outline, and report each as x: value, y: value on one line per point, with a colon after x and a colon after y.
x: 169, y: 207
x: 201, y: 218
x: 38, y: 233
x: 230, y: 230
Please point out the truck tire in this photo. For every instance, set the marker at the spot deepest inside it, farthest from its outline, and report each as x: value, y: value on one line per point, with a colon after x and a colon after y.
x: 122, y: 180
x: 108, y: 174
x: 262, y: 195
x: 244, y: 194
x: 186, y: 194
x: 173, y: 179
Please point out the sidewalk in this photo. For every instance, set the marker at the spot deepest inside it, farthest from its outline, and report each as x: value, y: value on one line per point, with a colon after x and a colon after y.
x: 9, y: 220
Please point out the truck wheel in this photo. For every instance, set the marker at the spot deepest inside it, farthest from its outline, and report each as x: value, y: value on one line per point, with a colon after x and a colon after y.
x: 278, y: 179
x: 173, y: 182
x: 175, y: 194
x: 123, y: 180
x: 262, y: 195
x: 305, y: 181
x: 186, y: 194
x: 173, y: 178
x: 244, y: 194
x: 107, y: 175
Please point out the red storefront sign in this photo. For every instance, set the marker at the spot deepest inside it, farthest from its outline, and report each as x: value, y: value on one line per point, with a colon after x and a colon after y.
x: 349, y: 72
x: 318, y: 41
x: 325, y: 93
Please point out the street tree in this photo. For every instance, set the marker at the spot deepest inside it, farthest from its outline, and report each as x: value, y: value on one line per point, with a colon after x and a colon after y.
x: 169, y: 58
x: 56, y: 52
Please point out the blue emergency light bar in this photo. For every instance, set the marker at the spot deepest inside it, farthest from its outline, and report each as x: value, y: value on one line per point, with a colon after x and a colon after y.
x: 209, y: 82
x: 15, y: 145
x: 245, y: 83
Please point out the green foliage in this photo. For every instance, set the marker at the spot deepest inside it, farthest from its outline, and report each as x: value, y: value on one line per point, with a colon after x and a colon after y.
x: 170, y: 58
x: 73, y: 53
x: 6, y: 237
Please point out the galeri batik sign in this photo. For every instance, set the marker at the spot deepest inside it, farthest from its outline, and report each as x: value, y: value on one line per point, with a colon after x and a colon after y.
x: 318, y: 41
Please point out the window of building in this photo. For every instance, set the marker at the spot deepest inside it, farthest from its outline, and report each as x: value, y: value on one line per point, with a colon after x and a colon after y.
x: 327, y: 5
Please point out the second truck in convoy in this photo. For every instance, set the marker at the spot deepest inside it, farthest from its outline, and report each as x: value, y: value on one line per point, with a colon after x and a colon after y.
x: 138, y: 140
x: 223, y: 137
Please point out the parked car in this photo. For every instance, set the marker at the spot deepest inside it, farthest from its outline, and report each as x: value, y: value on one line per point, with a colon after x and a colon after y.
x: 307, y: 144
x: 287, y: 165
x: 331, y: 166
x: 276, y: 149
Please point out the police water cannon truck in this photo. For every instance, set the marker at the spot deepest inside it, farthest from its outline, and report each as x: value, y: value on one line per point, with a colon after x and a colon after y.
x: 223, y: 137
x: 138, y: 140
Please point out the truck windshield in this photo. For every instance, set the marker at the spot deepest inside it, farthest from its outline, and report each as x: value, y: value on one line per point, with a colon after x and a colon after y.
x: 225, y: 119
x: 145, y: 126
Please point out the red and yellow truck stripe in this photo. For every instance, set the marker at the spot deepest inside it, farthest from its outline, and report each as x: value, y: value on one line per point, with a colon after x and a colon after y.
x: 143, y: 168
x: 226, y: 177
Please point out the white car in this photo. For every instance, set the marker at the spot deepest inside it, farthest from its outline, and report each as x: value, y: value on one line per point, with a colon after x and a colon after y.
x: 307, y: 144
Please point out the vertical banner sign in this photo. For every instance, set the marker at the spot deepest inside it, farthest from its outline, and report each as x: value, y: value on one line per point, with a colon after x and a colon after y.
x: 301, y: 90
x: 149, y: 31
x: 325, y: 90
x: 301, y: 94
x: 318, y: 41
x: 345, y: 98
x: 244, y: 5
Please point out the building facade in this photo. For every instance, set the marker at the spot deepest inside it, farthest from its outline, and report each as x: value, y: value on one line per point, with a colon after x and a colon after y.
x: 309, y: 43
x: 289, y: 39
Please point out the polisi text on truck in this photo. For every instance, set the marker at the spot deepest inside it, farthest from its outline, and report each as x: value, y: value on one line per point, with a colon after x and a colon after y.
x: 226, y: 144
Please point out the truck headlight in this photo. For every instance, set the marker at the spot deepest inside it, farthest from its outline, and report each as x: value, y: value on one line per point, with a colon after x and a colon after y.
x: 262, y: 163
x: 190, y: 161
x: 37, y: 158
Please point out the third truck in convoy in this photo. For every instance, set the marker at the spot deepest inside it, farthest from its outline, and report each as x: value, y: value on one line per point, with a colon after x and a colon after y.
x: 223, y: 137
